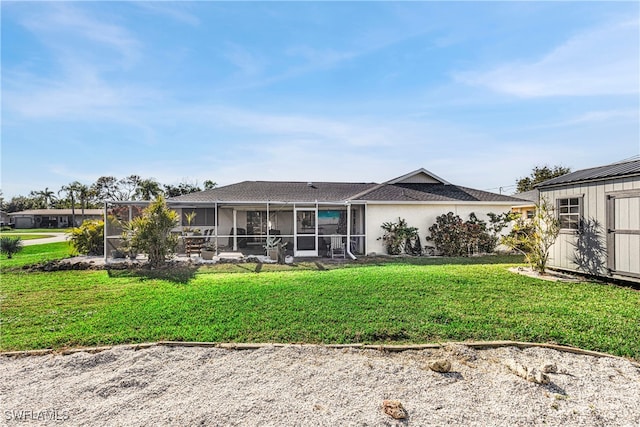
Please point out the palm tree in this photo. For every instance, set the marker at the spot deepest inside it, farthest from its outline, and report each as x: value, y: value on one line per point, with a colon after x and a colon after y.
x: 148, y: 189
x: 84, y: 194
x: 10, y: 246
x: 70, y: 190
x: 46, y: 196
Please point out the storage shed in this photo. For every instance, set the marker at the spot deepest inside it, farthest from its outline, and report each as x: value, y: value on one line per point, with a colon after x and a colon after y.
x: 599, y: 213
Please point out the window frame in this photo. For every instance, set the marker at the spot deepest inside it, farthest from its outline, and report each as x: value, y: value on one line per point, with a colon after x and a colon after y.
x: 571, y: 219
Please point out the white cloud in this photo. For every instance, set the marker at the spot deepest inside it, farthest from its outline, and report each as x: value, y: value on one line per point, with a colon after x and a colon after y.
x: 172, y: 10
x: 604, y: 61
x: 60, y: 20
x: 248, y: 63
x: 604, y: 116
x: 348, y: 131
x: 81, y: 93
x: 84, y: 48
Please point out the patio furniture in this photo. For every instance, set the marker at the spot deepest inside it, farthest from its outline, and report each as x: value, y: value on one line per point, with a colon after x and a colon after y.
x: 193, y: 245
x: 337, y: 247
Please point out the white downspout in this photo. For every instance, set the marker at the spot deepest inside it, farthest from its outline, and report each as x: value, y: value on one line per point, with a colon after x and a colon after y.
x: 348, y: 243
x: 215, y: 223
x: 235, y: 230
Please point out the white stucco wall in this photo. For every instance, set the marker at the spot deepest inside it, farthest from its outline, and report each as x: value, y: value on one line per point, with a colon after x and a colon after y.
x: 421, y: 215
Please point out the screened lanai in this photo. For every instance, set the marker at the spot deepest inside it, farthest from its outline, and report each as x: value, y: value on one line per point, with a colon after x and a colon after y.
x: 307, y: 229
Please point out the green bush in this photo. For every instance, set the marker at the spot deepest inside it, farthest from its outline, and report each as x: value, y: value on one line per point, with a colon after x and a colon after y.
x: 399, y: 237
x: 454, y: 237
x: 449, y: 235
x: 10, y: 246
x: 88, y: 239
x: 151, y: 232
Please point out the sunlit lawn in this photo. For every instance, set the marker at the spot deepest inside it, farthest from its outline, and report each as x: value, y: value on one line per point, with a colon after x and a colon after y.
x: 411, y: 301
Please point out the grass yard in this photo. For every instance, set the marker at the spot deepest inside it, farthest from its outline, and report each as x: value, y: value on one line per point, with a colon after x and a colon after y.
x: 35, y: 254
x: 39, y: 230
x: 397, y: 302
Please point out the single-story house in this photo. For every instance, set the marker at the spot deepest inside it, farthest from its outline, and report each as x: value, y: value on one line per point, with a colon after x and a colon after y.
x: 527, y: 210
x: 306, y: 215
x: 52, y: 218
x: 599, y: 213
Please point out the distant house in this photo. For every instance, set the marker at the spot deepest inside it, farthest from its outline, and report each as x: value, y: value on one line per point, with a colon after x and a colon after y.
x: 52, y: 218
x: 309, y: 216
x: 527, y: 210
x: 599, y: 213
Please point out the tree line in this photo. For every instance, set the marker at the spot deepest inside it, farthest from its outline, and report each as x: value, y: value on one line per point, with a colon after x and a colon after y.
x: 133, y: 187
x: 77, y: 195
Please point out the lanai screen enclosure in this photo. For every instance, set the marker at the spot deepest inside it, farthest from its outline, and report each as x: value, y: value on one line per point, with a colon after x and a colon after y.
x: 306, y: 228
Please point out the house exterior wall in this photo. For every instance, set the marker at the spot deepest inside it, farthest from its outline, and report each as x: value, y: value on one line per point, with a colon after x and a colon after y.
x: 44, y: 221
x: 586, y: 252
x: 421, y: 215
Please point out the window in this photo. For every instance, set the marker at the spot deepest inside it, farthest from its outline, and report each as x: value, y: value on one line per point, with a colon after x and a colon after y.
x: 203, y: 216
x: 332, y: 222
x: 570, y: 212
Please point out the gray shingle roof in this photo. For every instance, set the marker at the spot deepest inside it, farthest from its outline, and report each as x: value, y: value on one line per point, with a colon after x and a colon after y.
x: 615, y: 170
x: 278, y: 191
x: 433, y: 193
x: 259, y: 191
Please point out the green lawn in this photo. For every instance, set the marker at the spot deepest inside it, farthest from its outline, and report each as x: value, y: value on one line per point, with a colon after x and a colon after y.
x: 35, y: 254
x: 39, y: 230
x: 399, y: 302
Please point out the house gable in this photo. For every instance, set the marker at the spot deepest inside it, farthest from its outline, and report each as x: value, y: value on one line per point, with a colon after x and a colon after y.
x: 420, y: 176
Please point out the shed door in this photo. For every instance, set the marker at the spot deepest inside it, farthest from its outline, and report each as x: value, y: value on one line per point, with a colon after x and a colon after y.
x: 623, y: 233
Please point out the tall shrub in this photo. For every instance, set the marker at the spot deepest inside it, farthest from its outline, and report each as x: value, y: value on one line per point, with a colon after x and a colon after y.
x: 399, y: 237
x: 454, y: 237
x: 449, y: 235
x: 151, y: 232
x: 88, y: 239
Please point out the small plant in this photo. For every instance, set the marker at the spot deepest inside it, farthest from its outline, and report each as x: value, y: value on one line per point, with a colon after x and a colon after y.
x: 399, y: 237
x: 275, y: 249
x: 209, y: 246
x: 189, y: 217
x: 272, y: 242
x: 88, y: 239
x: 208, y: 250
x: 534, y: 237
x: 10, y: 246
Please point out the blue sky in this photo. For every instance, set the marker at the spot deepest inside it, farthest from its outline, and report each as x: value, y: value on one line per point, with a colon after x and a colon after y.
x: 478, y: 93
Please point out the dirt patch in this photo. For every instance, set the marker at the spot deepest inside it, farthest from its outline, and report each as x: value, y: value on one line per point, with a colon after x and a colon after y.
x: 550, y: 275
x: 315, y: 385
